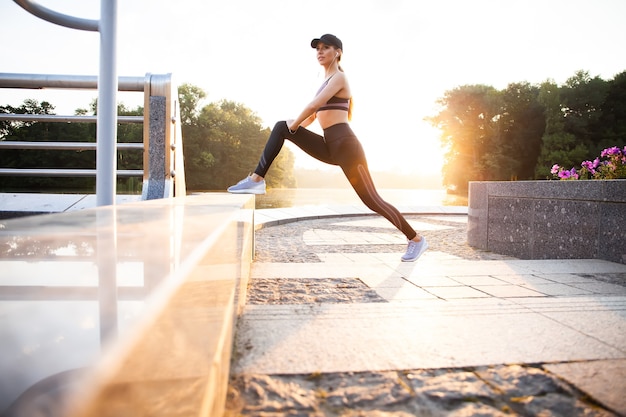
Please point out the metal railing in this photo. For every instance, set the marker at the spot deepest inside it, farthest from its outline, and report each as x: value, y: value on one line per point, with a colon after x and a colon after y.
x: 163, y: 166
x: 106, y: 128
x: 161, y: 126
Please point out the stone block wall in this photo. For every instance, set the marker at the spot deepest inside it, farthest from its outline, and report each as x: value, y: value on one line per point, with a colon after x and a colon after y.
x: 549, y: 219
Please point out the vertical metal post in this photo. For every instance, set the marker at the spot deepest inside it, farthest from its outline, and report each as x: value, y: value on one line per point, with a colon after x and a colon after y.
x: 106, y: 132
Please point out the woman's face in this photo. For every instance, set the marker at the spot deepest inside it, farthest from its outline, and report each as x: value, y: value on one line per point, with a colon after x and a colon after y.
x: 326, y: 53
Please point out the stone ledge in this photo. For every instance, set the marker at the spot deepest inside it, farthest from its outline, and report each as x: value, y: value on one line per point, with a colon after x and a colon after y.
x: 144, y: 324
x: 549, y: 219
x: 14, y: 205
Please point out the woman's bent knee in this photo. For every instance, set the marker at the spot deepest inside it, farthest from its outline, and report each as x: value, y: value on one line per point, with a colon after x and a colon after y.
x: 281, y: 126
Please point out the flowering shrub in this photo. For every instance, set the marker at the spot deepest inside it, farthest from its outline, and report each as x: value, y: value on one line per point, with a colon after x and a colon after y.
x: 611, y: 166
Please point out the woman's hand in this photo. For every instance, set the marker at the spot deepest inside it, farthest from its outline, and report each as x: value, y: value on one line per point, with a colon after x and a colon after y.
x: 291, y: 127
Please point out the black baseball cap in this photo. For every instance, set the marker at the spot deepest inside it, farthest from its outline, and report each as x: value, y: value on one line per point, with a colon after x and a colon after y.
x: 328, y: 39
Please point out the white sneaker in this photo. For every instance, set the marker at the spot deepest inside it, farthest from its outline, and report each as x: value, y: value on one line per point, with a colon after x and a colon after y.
x: 247, y: 186
x: 415, y: 250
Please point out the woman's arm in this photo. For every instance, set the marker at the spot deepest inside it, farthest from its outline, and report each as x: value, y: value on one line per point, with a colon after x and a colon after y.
x: 307, y: 113
x: 307, y: 122
x: 334, y: 86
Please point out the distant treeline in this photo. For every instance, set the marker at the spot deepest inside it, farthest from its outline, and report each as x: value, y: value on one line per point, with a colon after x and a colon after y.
x: 222, y: 143
x: 513, y: 134
x: 518, y: 133
x: 63, y: 159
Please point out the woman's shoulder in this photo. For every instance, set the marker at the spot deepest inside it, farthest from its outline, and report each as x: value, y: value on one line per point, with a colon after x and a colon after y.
x: 340, y: 77
x: 343, y: 79
x: 337, y: 83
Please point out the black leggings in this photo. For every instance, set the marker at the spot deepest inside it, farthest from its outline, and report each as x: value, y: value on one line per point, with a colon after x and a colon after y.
x: 339, y: 146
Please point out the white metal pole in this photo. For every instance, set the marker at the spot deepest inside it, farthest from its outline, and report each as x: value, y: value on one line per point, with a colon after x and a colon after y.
x: 106, y: 131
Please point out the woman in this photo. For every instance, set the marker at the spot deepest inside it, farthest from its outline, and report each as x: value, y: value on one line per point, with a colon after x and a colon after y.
x: 339, y: 146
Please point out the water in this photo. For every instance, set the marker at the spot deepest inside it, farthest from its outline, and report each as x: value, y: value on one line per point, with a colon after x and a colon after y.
x: 292, y: 197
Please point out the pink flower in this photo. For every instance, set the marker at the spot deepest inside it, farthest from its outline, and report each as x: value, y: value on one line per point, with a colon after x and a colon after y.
x: 610, y: 165
x: 611, y: 151
x: 589, y: 166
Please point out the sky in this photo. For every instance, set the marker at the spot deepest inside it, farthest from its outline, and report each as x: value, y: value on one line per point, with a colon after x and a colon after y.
x: 400, y: 56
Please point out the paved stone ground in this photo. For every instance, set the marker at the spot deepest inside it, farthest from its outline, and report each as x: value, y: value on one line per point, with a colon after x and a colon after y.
x: 507, y: 390
x: 495, y: 391
x: 285, y: 243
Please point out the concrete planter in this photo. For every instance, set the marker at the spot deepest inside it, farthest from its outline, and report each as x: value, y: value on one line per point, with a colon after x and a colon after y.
x: 549, y: 219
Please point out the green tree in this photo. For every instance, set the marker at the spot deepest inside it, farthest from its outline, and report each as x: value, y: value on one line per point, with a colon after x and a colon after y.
x: 130, y: 158
x: 64, y: 159
x: 189, y: 97
x: 14, y: 130
x: 572, y: 112
x: 612, y: 122
x: 36, y: 158
x: 522, y: 125
x: 469, y: 128
x: 223, y: 142
x: 520, y: 132
x: 583, y: 98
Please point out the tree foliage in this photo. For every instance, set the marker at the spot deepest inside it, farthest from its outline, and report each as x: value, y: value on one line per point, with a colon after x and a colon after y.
x: 223, y: 143
x: 612, y: 121
x: 63, y: 159
x: 518, y: 133
x: 468, y: 130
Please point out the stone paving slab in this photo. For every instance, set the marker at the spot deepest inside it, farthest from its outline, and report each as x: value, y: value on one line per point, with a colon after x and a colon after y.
x: 376, y: 337
x: 598, y: 377
x: 276, y: 216
x: 498, y: 391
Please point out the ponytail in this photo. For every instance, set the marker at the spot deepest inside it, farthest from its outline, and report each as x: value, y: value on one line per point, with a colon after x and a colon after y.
x: 339, y: 60
x: 350, y: 109
x: 351, y: 98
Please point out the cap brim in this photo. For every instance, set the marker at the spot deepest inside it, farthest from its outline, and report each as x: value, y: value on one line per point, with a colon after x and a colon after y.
x: 327, y: 40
